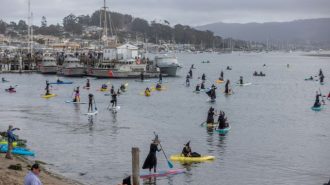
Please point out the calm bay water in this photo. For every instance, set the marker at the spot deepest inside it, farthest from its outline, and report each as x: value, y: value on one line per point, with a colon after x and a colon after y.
x: 275, y: 137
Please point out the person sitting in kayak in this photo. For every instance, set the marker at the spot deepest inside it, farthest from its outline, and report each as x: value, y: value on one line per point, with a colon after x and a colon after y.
x: 151, y: 160
x: 3, y: 79
x: 222, y: 121
x: 311, y: 78
x: 187, y: 80
x: 255, y: 73
x: 197, y: 88
x: 317, y: 100
x: 142, y: 76
x: 160, y: 78
x: 186, y: 151
x: 241, y: 80
x: 210, y: 116
x: 202, y: 85
x: 158, y: 86
x: 90, y: 102
x: 47, y: 88
x: 228, y: 68
x: 112, y: 90
x: 203, y: 77
x: 190, y: 73
x: 227, y: 90
x: 11, y: 88
x: 147, y: 91
x: 114, y: 100
x: 104, y: 86
x: 59, y: 81
x: 77, y: 95
x: 221, y: 76
x: 88, y: 85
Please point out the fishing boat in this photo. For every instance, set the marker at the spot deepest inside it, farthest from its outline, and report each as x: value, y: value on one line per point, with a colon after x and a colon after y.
x: 72, y: 67
x: 167, y: 64
x: 48, y: 65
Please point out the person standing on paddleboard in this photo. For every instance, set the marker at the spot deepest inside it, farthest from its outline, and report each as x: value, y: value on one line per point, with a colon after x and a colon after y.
x: 151, y: 160
x: 77, y: 95
x: 90, y: 102
x: 241, y: 80
x: 114, y: 99
x: 203, y: 77
x: 190, y: 73
x: 160, y: 78
x: 222, y: 121
x: 47, y: 88
x: 210, y: 116
x: 112, y: 90
x: 227, y: 90
x: 197, y: 88
x: 88, y: 85
x: 317, y: 100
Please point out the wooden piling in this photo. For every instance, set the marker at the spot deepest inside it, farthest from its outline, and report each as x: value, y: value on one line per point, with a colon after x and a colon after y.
x: 135, y: 166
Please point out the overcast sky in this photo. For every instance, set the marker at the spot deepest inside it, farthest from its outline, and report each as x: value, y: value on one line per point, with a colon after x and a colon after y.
x: 190, y: 12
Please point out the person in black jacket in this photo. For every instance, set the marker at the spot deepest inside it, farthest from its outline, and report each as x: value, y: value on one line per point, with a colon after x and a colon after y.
x: 151, y: 160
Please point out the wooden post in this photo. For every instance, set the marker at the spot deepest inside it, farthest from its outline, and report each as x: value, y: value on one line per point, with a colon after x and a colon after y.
x: 135, y: 166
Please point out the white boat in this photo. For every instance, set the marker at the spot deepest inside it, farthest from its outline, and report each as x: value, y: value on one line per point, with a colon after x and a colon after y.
x: 72, y: 67
x: 123, y: 69
x: 48, y: 65
x: 167, y: 64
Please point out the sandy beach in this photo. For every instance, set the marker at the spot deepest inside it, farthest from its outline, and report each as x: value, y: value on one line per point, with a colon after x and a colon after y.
x: 14, y: 177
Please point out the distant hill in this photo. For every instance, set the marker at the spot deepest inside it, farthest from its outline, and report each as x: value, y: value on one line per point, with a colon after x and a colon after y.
x: 307, y: 30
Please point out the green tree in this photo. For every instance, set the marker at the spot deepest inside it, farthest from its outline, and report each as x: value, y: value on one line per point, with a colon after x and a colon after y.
x: 71, y: 24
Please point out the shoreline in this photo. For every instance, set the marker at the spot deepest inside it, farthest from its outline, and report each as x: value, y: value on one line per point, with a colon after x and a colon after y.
x: 15, y: 177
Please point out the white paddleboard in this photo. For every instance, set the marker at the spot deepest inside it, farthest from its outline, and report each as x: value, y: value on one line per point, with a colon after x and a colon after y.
x: 115, y: 108
x: 69, y: 101
x: 210, y: 100
x: 91, y: 113
x: 245, y: 84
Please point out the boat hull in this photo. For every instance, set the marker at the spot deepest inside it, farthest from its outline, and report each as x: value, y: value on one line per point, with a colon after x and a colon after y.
x: 48, y: 69
x: 108, y: 73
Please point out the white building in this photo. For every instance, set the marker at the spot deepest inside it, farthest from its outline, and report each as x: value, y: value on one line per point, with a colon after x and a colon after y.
x: 123, y: 52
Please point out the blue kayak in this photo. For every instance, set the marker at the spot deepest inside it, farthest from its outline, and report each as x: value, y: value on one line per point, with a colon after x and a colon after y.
x: 317, y: 108
x: 223, y: 131
x: 58, y: 83
x: 16, y: 150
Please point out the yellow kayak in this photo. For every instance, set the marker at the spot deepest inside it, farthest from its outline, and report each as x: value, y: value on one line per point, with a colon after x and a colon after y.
x: 103, y: 90
x: 147, y: 93
x: 219, y: 81
x: 179, y: 157
x: 4, y: 142
x: 49, y: 96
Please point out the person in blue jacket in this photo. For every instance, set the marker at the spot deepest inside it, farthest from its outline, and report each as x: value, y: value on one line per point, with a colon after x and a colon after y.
x: 11, y: 139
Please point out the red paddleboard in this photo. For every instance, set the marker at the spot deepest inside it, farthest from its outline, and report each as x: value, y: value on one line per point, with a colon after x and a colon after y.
x: 162, y: 173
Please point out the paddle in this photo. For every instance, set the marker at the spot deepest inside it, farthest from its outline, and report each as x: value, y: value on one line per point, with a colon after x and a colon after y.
x: 170, y: 165
x: 95, y: 105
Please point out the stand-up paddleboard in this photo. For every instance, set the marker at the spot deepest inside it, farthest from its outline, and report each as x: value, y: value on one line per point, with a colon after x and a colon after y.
x: 162, y: 173
x: 59, y: 83
x: 244, y: 84
x: 211, y: 100
x: 317, y: 108
x: 197, y: 92
x: 114, y: 109
x: 91, y: 113
x: 87, y: 88
x: 49, y: 96
x: 142, y: 80
x: 70, y: 101
x: 322, y: 83
x: 223, y: 131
